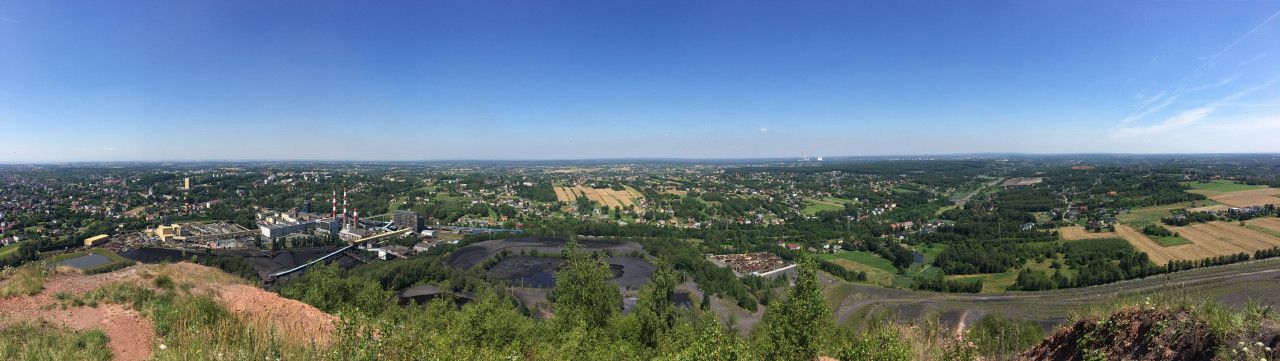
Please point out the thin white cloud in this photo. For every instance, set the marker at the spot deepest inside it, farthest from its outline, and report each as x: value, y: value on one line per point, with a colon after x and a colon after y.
x: 1145, y: 111
x: 1252, y: 60
x: 1266, y: 122
x: 1184, y: 119
x: 1232, y: 45
x: 1147, y: 108
x: 764, y: 130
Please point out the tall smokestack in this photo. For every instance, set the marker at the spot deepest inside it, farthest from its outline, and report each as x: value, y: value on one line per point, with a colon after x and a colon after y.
x: 344, y: 205
x: 333, y: 205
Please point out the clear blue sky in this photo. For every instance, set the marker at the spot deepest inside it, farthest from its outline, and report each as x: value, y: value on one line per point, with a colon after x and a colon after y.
x: 179, y: 80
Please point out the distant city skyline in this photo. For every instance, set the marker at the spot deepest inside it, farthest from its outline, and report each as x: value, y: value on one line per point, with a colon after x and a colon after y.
x: 239, y: 80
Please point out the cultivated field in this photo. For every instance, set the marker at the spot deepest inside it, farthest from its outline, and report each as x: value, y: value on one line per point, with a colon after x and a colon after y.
x: 563, y: 195
x: 1158, y: 254
x: 603, y: 196
x: 1256, y: 197
x: 1268, y: 225
x: 1235, y: 194
x: 813, y: 206
x: 1221, y: 186
x: 1078, y: 232
x: 1226, y: 238
x: 1214, y: 208
x: 1207, y: 240
x: 1140, y: 217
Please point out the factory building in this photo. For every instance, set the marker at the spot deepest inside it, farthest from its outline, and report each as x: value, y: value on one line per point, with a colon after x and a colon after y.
x: 95, y: 240
x: 405, y: 220
x: 195, y: 232
x: 280, y: 224
x: 285, y: 229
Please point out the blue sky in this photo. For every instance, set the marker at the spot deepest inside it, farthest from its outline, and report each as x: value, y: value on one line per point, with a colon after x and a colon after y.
x: 180, y: 80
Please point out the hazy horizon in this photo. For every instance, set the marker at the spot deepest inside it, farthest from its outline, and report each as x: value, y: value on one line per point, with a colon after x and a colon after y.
x: 333, y: 81
x: 811, y: 159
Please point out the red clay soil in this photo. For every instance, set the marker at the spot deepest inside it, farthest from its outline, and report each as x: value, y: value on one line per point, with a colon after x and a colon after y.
x: 298, y: 322
x: 132, y: 336
x: 1132, y: 334
x: 129, y: 335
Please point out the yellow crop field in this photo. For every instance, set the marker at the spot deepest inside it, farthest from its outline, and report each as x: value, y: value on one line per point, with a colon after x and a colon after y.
x: 1158, y: 254
x: 602, y: 196
x: 1226, y: 237
x: 1256, y: 197
x: 1207, y: 240
x: 1078, y: 232
x: 1269, y: 223
x: 563, y: 195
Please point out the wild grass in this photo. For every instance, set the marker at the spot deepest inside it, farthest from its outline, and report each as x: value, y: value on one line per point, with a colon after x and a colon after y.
x: 1237, y: 330
x: 192, y: 326
x: 26, y: 341
x: 23, y: 281
x: 875, y: 335
x: 1171, y: 241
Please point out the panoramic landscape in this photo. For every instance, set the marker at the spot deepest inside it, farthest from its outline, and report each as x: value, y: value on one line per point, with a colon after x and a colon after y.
x: 639, y: 181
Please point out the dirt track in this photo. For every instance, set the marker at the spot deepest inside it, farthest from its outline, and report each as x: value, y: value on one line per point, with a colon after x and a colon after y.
x: 1234, y: 285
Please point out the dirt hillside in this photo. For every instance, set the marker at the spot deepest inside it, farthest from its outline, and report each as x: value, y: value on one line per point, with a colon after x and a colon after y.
x: 132, y: 336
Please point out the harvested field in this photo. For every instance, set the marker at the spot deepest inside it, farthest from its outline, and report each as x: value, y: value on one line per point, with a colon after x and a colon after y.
x: 564, y: 195
x: 1269, y: 223
x: 602, y: 196
x: 1158, y: 254
x: 634, y: 194
x: 1078, y: 232
x: 1207, y: 240
x: 1224, y: 238
x: 1256, y: 197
